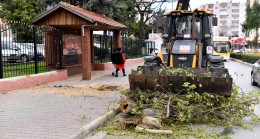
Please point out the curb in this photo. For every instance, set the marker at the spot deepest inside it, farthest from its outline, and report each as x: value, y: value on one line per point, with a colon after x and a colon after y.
x: 242, y: 62
x: 87, y: 129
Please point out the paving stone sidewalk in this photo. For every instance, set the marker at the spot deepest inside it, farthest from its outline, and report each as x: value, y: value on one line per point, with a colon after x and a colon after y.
x: 57, y: 110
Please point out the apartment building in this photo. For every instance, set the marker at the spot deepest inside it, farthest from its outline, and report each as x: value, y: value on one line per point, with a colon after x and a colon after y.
x: 230, y: 17
x: 5, y: 35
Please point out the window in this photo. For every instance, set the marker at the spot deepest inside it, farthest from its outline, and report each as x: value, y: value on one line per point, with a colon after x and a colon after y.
x: 221, y: 47
x: 183, y: 25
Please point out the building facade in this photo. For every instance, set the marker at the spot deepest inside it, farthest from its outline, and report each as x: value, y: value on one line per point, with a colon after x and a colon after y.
x: 230, y: 17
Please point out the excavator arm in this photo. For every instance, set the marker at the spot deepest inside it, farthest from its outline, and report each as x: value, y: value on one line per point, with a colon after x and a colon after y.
x: 183, y: 5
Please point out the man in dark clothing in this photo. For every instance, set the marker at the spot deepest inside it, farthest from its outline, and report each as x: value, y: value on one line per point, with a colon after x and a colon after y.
x: 119, y: 61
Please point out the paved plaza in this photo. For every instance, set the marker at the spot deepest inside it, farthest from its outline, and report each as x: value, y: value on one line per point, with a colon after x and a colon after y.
x: 57, y: 110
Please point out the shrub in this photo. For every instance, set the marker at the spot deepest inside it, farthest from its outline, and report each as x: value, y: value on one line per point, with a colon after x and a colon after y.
x: 250, y: 58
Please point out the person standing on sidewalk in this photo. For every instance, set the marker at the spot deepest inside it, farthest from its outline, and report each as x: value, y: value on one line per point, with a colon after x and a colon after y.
x: 113, y: 60
x: 120, y: 62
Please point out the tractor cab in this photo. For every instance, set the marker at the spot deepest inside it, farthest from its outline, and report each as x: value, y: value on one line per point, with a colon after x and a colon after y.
x: 196, y: 28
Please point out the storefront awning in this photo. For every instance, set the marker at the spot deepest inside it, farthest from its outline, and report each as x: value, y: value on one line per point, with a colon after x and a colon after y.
x: 239, y: 41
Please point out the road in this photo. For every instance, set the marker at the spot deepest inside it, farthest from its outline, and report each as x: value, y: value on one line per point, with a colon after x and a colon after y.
x: 236, y: 70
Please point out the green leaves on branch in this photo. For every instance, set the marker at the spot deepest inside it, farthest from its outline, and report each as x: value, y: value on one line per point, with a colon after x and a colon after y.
x: 252, y: 19
x: 195, y: 108
x: 175, y: 72
x: 21, y: 10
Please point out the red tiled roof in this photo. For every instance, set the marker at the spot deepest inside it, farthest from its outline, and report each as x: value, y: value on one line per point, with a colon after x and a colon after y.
x: 85, y: 14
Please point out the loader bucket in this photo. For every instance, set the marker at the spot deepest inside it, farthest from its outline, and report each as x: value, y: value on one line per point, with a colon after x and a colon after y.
x: 155, y: 78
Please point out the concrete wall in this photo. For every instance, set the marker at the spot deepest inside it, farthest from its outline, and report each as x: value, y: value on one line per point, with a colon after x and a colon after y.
x: 20, y: 82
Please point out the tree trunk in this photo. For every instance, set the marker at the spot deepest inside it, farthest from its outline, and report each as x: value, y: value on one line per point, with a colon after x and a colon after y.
x: 256, y: 38
x: 142, y: 128
x: 126, y: 106
x: 155, y: 122
x: 141, y: 33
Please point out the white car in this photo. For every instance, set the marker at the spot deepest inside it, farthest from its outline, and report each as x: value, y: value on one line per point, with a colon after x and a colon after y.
x: 19, y: 52
x: 236, y: 51
x: 27, y: 52
x: 8, y: 51
x: 255, y: 73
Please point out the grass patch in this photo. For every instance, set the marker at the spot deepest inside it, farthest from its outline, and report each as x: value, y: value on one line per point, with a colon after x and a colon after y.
x: 18, y: 69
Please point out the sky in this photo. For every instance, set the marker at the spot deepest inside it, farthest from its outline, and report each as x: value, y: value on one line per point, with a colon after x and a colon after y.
x: 197, y: 3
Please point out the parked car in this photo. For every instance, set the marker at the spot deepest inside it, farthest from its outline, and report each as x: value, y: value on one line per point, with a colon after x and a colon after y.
x: 24, y: 54
x: 20, y: 52
x: 8, y: 51
x: 255, y: 73
x: 27, y: 52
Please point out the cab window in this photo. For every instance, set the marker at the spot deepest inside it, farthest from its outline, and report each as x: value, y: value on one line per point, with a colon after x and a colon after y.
x: 183, y: 25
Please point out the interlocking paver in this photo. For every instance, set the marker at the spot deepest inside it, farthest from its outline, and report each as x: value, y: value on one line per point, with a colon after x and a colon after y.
x: 57, y: 110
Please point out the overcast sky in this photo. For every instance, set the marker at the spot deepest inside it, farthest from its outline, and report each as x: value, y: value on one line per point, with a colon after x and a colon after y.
x: 197, y: 3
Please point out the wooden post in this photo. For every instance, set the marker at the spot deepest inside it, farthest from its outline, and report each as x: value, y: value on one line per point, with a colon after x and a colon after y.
x: 117, y: 38
x: 86, y: 55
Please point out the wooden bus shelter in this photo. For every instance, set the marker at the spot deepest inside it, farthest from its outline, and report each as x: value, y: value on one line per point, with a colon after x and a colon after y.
x: 77, y: 26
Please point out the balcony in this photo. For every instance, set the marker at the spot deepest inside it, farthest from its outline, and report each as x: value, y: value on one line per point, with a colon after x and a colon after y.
x: 235, y: 4
x: 235, y: 32
x: 223, y: 21
x: 223, y: 25
x: 223, y: 13
x: 211, y: 5
x: 223, y: 17
x: 223, y: 32
x: 235, y: 25
x: 211, y: 8
x: 235, y: 21
x: 234, y: 29
x: 223, y: 9
x: 223, y: 4
x: 235, y: 16
x: 202, y: 7
x: 235, y: 10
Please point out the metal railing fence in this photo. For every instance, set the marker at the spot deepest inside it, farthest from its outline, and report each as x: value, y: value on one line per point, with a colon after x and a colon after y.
x: 132, y: 48
x: 27, y: 49
x: 22, y: 50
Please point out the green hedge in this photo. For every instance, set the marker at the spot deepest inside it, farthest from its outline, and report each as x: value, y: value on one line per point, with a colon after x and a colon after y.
x: 250, y: 58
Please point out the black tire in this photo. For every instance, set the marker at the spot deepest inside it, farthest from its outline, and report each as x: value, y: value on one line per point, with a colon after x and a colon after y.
x: 253, y: 80
x: 24, y: 59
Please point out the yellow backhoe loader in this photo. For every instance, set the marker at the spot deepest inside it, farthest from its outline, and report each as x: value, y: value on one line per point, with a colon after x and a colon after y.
x: 188, y: 56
